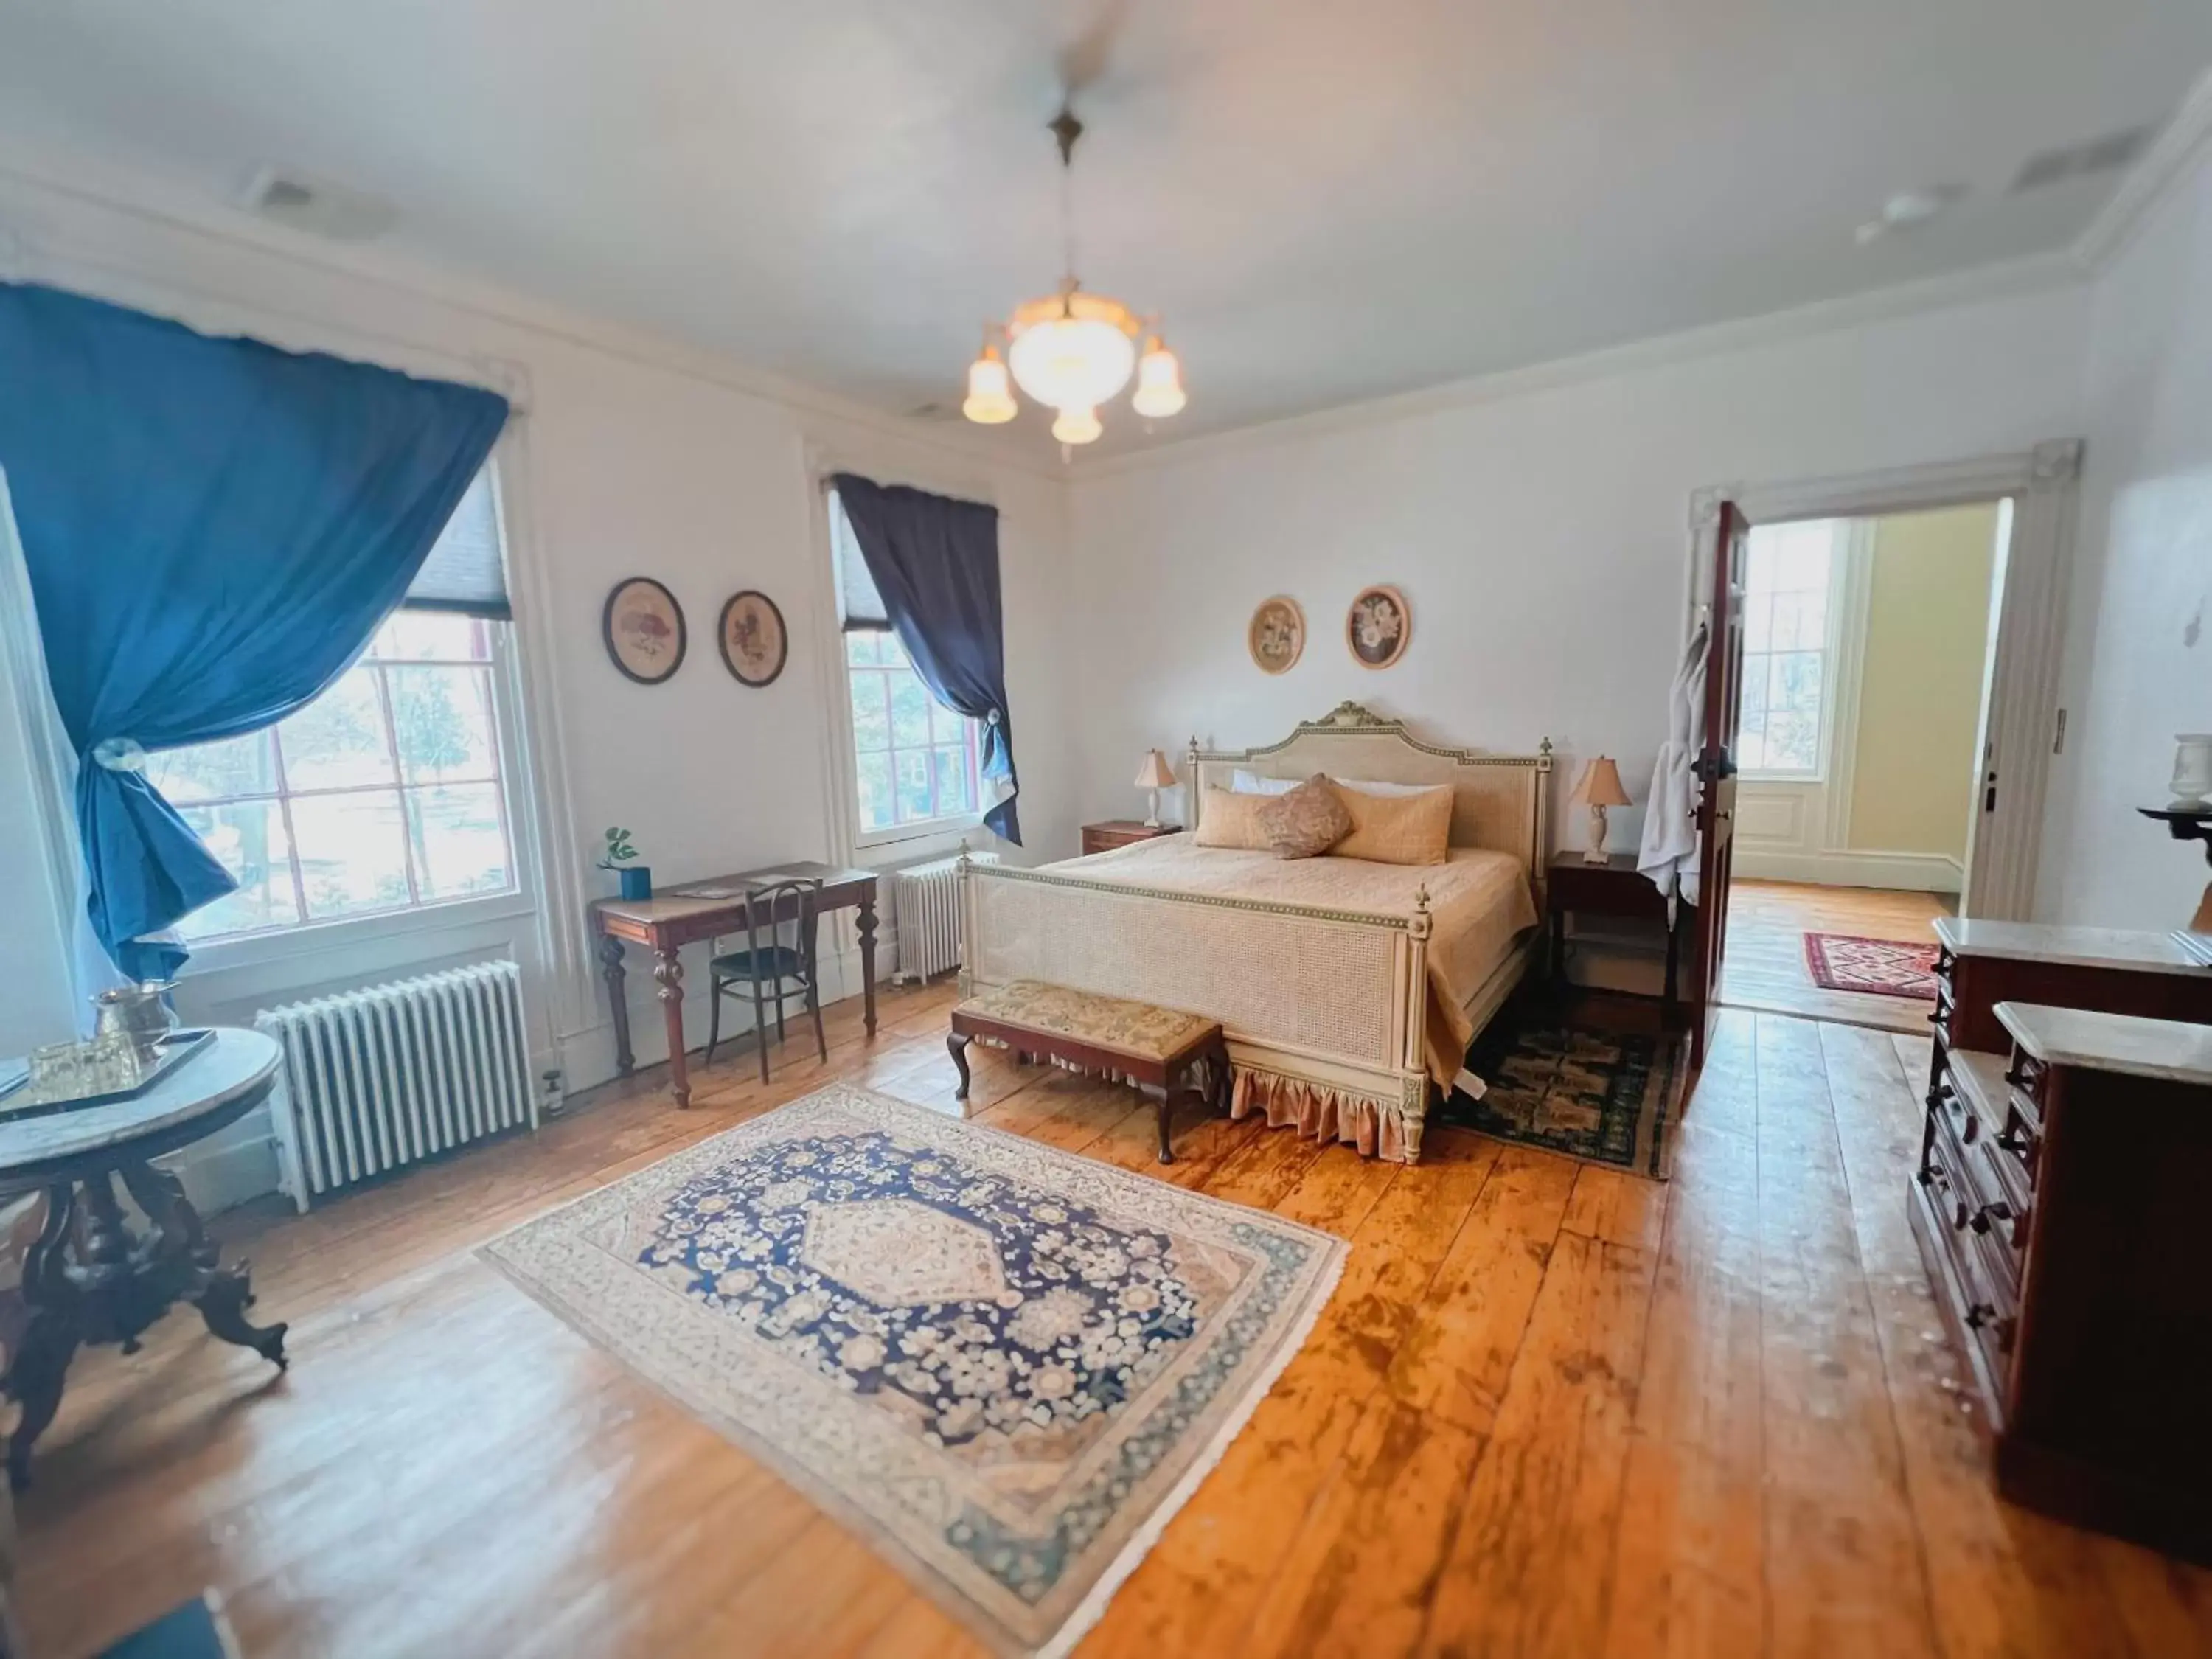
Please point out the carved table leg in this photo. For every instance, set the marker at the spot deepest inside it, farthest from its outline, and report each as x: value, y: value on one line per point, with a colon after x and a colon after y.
x: 610, y: 967
x: 669, y: 973
x: 868, y: 961
x: 42, y: 1360
x: 222, y: 1294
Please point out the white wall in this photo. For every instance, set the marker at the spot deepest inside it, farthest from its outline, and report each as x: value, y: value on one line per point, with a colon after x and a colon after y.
x: 2139, y: 659
x: 633, y: 458
x: 1541, y: 534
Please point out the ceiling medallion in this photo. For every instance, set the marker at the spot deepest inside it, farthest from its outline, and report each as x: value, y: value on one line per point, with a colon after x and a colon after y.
x: 1075, y: 350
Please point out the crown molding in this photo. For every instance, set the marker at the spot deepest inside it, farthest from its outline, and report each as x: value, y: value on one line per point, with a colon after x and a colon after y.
x: 2163, y: 166
x: 2038, y: 274
x: 33, y: 245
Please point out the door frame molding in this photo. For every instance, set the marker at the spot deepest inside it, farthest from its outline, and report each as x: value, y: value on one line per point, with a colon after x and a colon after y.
x: 2022, y: 706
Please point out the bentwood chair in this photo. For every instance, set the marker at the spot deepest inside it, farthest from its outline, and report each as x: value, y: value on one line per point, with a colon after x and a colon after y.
x: 776, y: 968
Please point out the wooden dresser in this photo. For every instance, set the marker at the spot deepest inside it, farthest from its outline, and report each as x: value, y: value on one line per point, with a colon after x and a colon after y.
x: 2059, y: 1207
x: 1979, y: 964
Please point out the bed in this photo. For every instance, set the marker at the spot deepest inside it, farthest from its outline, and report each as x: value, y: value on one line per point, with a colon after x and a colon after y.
x: 1348, y: 990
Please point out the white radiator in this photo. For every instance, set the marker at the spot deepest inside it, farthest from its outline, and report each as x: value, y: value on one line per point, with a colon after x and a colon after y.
x: 925, y: 899
x: 387, y: 1076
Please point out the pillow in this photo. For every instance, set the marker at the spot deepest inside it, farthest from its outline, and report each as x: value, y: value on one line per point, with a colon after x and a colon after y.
x: 1230, y: 820
x: 1242, y: 783
x: 1305, y: 823
x: 1397, y: 829
x: 1367, y: 786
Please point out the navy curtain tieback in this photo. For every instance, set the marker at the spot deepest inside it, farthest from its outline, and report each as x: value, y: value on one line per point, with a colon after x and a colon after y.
x: 214, y: 530
x: 935, y: 563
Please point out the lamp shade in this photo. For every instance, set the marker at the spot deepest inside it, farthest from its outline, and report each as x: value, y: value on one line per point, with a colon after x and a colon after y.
x: 1155, y: 773
x: 1600, y: 784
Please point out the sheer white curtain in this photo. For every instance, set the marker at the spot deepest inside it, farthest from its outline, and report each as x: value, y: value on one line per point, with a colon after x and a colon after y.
x: 49, y: 960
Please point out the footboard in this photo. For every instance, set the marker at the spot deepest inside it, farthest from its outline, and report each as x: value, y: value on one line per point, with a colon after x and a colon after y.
x: 1336, y: 1000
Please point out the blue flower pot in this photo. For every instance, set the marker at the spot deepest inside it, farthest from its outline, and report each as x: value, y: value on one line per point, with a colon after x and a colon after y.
x: 637, y: 881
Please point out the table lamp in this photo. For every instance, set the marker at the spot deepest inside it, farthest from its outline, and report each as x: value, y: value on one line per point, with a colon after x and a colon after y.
x: 1598, y: 788
x: 1155, y: 775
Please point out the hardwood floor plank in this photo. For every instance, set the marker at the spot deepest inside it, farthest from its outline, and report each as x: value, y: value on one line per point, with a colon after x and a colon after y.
x: 1531, y: 1560
x: 1843, y: 1567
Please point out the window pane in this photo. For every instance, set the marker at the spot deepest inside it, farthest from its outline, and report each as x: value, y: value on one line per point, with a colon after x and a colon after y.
x: 1795, y: 686
x: 1800, y: 621
x: 238, y: 766
x: 952, y: 780
x: 352, y: 853
x: 860, y: 647
x: 893, y: 647
x: 914, y: 786
x: 460, y: 843
x: 909, y: 711
x: 337, y: 741
x: 876, y: 791
x: 1801, y: 563
x: 247, y: 839
x: 441, y: 718
x: 872, y: 720
x: 1757, y: 622
x: 435, y: 634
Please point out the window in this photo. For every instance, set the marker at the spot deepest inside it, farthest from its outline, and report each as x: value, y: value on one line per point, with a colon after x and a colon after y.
x: 386, y: 793
x: 914, y: 760
x: 1790, y: 580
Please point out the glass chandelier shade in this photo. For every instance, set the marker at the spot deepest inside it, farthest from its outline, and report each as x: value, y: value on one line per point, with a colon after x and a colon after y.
x: 1077, y: 426
x: 990, y: 399
x: 1072, y: 361
x: 1160, y: 383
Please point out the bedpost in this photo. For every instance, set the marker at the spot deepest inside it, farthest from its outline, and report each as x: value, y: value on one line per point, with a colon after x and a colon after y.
x: 1191, y: 792
x: 1540, y: 833
x: 1413, y: 1097
x: 966, y: 871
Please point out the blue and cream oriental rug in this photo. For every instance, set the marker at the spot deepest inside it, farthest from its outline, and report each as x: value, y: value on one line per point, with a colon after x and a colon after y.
x: 1004, y: 1365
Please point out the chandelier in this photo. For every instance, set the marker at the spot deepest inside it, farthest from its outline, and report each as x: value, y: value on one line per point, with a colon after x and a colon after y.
x: 1073, y: 351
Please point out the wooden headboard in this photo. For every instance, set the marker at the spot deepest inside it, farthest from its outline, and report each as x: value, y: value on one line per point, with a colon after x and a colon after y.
x: 1502, y: 802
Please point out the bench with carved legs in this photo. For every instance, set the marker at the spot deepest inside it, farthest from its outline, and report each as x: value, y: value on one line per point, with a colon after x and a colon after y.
x: 1161, y: 1050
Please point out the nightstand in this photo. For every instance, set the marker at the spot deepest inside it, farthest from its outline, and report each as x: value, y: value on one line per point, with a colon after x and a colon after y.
x: 1119, y: 832
x: 1614, y: 887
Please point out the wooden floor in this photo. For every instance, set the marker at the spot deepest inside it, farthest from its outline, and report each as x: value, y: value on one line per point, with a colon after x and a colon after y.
x: 1551, y: 1410
x: 1765, y: 968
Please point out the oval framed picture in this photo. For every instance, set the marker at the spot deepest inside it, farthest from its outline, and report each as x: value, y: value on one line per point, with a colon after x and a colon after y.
x: 755, y: 644
x: 643, y: 628
x: 1379, y: 627
x: 1276, y: 636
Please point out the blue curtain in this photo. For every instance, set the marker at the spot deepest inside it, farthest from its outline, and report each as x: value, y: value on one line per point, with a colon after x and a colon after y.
x: 935, y: 561
x: 214, y: 529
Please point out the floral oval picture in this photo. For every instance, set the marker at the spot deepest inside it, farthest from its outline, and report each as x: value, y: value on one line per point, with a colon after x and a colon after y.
x: 643, y: 628
x: 1379, y: 627
x: 754, y: 643
x: 1277, y: 634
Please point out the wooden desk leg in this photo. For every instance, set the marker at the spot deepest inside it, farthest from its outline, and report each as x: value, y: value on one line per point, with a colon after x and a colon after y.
x: 868, y: 962
x: 670, y: 972
x: 611, y: 968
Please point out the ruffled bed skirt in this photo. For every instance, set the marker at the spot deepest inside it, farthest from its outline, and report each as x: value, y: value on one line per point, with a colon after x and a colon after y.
x: 1320, y: 1113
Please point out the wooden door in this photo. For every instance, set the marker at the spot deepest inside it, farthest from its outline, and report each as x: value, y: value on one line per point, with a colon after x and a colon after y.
x: 1716, y: 770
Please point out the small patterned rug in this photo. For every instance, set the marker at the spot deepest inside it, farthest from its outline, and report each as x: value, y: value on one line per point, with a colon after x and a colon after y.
x: 1003, y: 1365
x: 1605, y: 1096
x: 1881, y: 967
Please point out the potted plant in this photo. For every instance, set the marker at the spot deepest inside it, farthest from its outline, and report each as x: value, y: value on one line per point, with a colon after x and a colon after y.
x: 637, y: 879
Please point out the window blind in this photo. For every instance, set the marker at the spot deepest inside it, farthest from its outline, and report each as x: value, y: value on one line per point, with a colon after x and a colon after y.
x: 859, y: 607
x: 465, y: 572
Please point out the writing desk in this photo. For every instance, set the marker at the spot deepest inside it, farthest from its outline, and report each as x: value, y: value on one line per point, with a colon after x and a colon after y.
x: 704, y: 909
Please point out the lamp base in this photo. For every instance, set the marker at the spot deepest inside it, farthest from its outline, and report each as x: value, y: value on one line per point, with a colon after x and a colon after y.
x: 1152, y: 812
x: 1596, y: 852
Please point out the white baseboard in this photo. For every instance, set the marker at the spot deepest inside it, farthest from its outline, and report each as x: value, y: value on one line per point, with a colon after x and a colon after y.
x: 1918, y: 872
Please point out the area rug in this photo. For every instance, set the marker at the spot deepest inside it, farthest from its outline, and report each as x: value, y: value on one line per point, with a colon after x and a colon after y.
x: 1003, y: 1365
x: 1879, y: 967
x: 1607, y: 1097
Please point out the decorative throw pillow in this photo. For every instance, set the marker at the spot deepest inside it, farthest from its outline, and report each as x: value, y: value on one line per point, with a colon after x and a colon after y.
x: 1397, y: 829
x: 1242, y: 783
x: 1231, y: 821
x: 1306, y: 823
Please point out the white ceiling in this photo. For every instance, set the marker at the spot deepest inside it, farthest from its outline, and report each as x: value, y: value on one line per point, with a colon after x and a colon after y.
x: 1328, y: 199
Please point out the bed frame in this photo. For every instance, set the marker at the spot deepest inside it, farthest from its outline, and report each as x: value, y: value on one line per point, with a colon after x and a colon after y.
x: 1335, y: 999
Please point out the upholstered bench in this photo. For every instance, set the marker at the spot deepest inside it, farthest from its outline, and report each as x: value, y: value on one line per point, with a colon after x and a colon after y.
x: 1155, y: 1049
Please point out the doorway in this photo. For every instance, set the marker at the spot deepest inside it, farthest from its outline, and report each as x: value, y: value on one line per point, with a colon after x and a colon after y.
x: 2019, y: 725
x: 1866, y: 678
